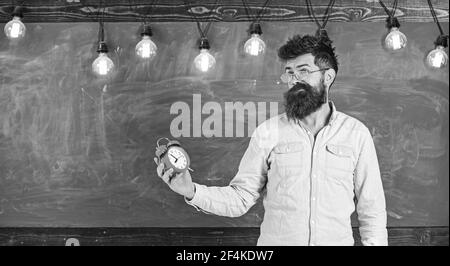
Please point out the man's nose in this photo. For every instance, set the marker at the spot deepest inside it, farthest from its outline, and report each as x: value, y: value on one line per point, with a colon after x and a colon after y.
x: 297, y: 79
x: 295, y: 82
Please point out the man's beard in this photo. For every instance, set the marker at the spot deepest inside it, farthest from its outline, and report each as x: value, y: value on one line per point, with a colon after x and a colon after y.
x: 303, y: 99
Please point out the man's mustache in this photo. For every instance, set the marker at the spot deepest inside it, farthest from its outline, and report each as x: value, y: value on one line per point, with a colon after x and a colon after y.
x: 298, y: 87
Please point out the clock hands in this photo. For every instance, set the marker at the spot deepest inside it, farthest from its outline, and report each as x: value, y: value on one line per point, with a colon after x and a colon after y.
x: 176, y: 159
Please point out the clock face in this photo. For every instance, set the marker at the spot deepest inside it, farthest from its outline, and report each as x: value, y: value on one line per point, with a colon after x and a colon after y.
x: 177, y: 158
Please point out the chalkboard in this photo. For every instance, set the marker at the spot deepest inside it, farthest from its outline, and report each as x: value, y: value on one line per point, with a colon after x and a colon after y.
x: 77, y: 151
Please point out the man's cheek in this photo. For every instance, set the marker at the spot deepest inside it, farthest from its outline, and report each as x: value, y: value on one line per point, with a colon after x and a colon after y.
x: 290, y: 85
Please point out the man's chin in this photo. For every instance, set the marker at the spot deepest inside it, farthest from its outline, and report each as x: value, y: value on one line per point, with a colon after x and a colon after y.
x: 298, y: 116
x: 302, y: 110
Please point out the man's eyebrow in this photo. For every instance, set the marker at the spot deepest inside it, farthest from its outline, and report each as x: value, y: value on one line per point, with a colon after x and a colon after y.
x: 302, y: 65
x: 298, y: 66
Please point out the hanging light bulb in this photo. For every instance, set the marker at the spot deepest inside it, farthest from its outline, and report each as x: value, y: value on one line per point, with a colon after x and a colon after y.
x: 15, y: 29
x: 255, y: 45
x: 102, y: 65
x: 146, y: 48
x: 204, y: 61
x: 438, y: 58
x: 395, y: 40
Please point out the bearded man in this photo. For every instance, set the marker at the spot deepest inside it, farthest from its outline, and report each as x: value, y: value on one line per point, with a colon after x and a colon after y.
x: 312, y: 164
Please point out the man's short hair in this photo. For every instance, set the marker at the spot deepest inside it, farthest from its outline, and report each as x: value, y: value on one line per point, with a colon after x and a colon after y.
x: 320, y: 47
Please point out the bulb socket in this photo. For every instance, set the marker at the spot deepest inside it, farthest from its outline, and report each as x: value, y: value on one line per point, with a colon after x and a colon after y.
x: 17, y: 12
x: 102, y: 47
x: 322, y: 33
x: 442, y: 41
x: 204, y: 43
x: 147, y: 31
x: 392, y: 22
x: 255, y: 28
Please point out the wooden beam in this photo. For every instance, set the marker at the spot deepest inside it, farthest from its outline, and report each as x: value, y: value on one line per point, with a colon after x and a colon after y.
x: 215, y: 10
x: 230, y: 236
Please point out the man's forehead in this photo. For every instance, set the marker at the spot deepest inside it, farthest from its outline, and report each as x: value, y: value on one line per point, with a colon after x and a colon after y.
x: 306, y: 59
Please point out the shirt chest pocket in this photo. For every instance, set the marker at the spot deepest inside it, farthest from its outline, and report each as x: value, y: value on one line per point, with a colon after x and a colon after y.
x: 288, y: 159
x: 339, y: 164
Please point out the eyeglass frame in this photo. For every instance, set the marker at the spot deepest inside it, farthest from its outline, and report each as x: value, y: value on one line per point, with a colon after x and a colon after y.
x: 298, y: 76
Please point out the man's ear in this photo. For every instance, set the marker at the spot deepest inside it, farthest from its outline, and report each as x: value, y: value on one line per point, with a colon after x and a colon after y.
x: 329, y: 77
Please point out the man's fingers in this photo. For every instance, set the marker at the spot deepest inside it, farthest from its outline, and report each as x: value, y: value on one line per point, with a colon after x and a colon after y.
x: 160, y: 169
x: 166, y: 176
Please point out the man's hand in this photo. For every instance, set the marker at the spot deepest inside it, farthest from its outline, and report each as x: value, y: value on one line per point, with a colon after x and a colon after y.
x: 181, y: 183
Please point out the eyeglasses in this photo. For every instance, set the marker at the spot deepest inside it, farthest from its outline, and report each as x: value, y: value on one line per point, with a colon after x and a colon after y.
x: 301, y: 74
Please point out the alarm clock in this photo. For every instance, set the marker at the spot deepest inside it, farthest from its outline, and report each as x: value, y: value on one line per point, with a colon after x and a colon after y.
x: 172, y: 155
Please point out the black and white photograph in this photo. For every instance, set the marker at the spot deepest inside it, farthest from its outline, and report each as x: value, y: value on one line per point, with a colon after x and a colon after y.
x: 225, y: 129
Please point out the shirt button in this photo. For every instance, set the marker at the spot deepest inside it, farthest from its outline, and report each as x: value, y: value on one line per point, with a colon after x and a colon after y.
x: 313, y: 222
x: 313, y: 198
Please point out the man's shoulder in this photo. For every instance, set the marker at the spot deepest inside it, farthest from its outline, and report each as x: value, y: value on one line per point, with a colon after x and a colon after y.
x: 275, y: 122
x: 269, y: 132
x: 351, y: 123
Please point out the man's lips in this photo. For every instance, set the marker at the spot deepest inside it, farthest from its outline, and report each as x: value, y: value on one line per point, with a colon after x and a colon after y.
x: 300, y: 86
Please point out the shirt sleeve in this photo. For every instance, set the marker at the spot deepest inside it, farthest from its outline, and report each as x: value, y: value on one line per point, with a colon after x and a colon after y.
x: 371, y: 204
x: 243, y: 191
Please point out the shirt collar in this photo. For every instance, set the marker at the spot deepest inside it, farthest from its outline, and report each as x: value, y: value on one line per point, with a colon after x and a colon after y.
x: 333, y: 113
x: 330, y: 121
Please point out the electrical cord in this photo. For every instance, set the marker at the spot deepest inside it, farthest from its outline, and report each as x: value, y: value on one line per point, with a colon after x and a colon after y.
x: 326, y: 15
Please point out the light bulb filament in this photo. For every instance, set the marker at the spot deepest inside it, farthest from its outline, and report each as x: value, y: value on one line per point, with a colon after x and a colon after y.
x: 204, y: 62
x: 146, y: 50
x: 396, y: 42
x: 437, y: 60
x: 102, y: 67
x: 254, y: 47
x: 15, y: 30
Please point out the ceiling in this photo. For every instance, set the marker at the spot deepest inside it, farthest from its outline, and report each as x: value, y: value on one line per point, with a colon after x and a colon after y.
x: 218, y: 10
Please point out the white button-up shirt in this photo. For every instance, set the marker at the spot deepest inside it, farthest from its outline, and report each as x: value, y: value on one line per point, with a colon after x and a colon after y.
x: 310, y: 184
